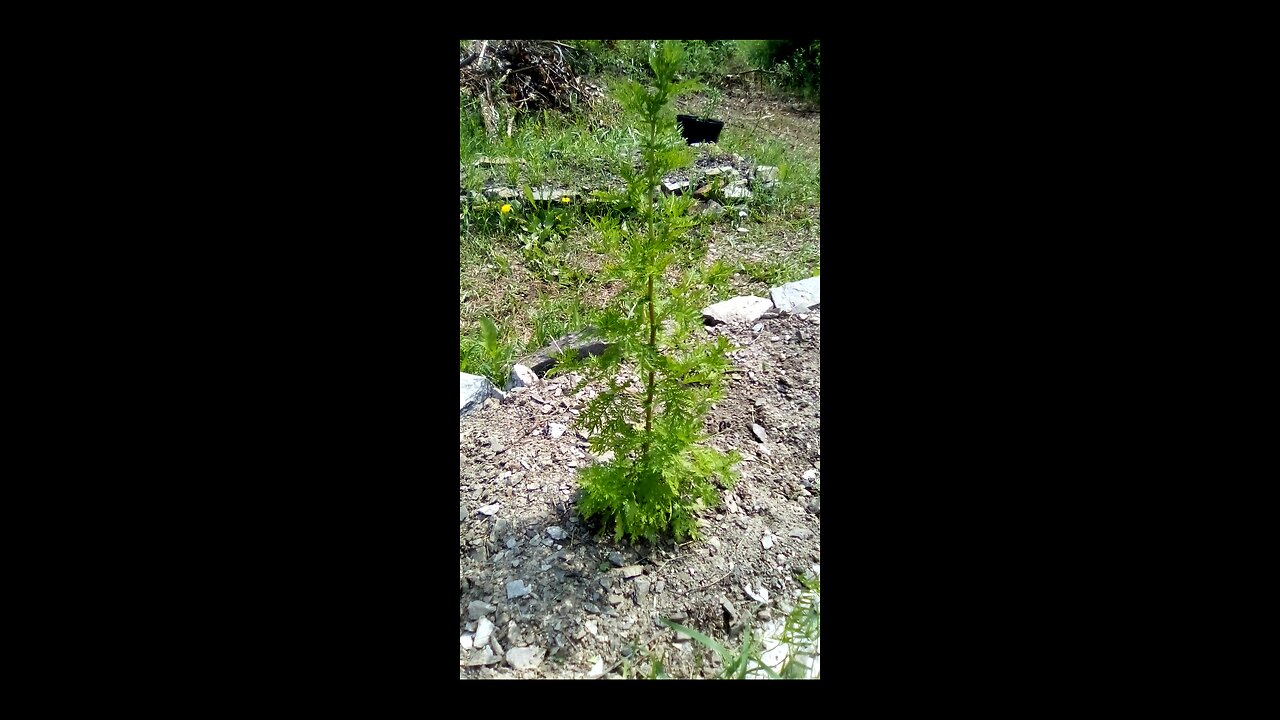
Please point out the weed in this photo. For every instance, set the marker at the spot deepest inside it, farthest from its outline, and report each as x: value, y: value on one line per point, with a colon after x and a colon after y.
x: 486, y: 355
x: 659, y: 472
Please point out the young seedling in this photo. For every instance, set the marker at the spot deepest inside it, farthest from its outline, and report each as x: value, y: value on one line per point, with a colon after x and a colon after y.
x: 660, y: 472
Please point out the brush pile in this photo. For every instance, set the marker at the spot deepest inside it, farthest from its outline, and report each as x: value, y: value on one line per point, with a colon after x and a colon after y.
x: 521, y: 76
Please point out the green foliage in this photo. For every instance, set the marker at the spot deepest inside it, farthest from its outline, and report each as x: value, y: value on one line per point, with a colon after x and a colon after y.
x: 794, y: 64
x: 485, y: 353
x: 660, y: 474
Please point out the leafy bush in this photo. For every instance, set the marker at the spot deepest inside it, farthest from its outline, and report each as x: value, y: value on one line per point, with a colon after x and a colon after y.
x: 795, y: 64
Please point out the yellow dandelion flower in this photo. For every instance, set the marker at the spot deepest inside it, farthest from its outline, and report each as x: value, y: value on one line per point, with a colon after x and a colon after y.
x: 506, y: 208
x: 564, y: 199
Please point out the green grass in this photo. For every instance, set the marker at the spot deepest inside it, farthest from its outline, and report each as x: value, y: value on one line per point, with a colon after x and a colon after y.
x: 533, y: 270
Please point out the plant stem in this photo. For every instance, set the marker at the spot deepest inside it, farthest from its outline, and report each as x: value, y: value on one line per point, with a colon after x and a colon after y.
x: 648, y: 400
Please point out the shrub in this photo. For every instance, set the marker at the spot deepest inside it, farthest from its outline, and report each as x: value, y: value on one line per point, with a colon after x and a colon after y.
x: 660, y: 474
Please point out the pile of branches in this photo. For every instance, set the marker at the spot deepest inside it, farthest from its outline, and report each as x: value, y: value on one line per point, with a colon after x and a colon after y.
x: 521, y: 76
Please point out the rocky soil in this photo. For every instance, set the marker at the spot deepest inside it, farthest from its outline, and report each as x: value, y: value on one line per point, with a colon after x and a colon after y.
x: 541, y: 596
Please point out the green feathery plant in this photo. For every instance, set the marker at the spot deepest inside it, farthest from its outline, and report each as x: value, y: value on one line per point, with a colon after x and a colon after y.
x: 660, y: 474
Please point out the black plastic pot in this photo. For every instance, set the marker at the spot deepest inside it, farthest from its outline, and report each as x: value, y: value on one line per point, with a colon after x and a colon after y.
x: 699, y: 130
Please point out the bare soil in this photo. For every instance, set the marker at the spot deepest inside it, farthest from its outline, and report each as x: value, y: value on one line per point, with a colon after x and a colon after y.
x: 586, y: 604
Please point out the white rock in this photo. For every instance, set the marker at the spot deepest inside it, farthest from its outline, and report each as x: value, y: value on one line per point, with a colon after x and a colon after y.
x: 759, y: 433
x: 592, y: 627
x: 555, y: 430
x: 742, y: 309
x: 525, y: 658
x: 767, y: 541
x: 810, y: 474
x: 597, y: 669
x: 521, y: 376
x: 556, y: 533
x: 798, y: 296
x: 483, y: 631
x: 762, y: 597
x: 467, y: 641
x: 490, y: 509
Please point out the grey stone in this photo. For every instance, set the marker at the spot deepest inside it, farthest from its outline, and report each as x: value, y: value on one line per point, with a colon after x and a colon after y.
x: 675, y: 188
x: 659, y: 586
x: 525, y: 658
x: 815, y: 507
x: 473, y: 390
x: 591, y: 608
x: 556, y: 533
x: 742, y: 309
x: 710, y: 207
x: 614, y: 599
x: 766, y: 173
x: 615, y: 557
x: 798, y: 296
x: 631, y: 571
x: 517, y: 589
x: 484, y: 630
x: 485, y: 161
x: 802, y: 533
x: 642, y: 590
x: 502, y: 193
x: 759, y: 433
x: 584, y: 343
x: 477, y: 609
x: 544, y: 194
x: 483, y: 657
x: 462, y: 512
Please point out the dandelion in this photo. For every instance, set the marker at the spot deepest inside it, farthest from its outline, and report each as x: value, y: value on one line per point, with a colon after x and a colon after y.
x: 506, y: 209
x: 564, y: 199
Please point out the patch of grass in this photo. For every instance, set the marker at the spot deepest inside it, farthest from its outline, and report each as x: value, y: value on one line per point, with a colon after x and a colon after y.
x: 538, y: 270
x: 486, y: 354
